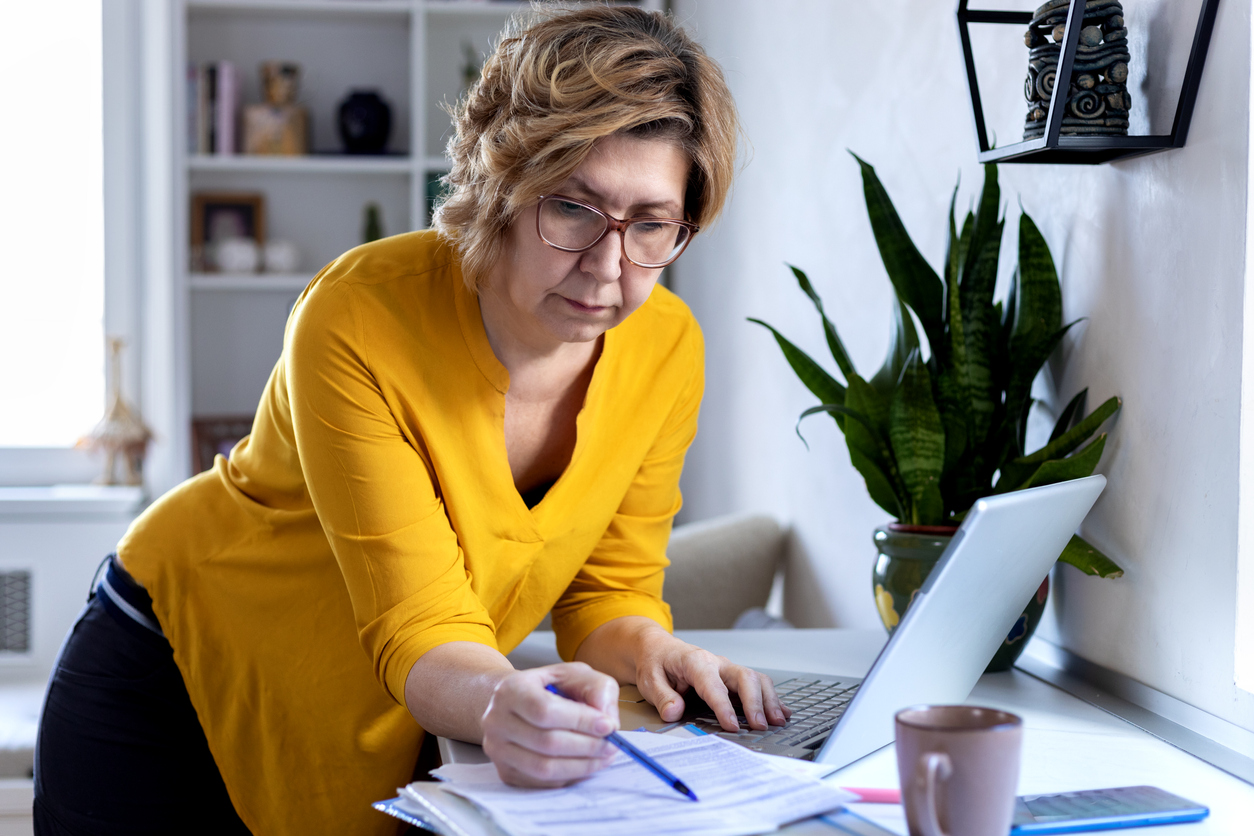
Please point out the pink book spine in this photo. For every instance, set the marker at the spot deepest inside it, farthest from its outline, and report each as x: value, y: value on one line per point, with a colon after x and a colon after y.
x: 228, y: 94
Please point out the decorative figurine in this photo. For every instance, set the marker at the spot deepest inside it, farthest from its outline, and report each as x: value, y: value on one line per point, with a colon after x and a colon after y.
x: 281, y: 257
x: 121, y: 432
x: 1098, y: 101
x: 365, y: 122
x: 240, y: 256
x: 279, y: 126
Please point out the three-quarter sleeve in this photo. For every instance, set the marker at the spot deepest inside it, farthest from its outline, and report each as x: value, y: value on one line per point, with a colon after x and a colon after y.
x: 623, y: 575
x: 375, y: 495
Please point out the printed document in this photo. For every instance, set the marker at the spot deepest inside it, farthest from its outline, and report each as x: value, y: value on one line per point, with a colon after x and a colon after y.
x: 740, y: 792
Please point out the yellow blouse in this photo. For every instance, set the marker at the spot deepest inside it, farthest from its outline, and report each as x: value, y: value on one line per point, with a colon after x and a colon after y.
x: 373, y: 509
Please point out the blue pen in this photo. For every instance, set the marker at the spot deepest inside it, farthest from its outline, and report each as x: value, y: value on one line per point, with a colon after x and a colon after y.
x: 638, y: 756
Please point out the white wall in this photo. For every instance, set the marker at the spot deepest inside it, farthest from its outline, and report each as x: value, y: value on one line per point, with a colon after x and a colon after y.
x: 1151, y: 250
x: 61, y: 551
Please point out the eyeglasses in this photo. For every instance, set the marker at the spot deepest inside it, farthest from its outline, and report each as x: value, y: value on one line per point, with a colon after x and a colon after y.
x: 574, y: 226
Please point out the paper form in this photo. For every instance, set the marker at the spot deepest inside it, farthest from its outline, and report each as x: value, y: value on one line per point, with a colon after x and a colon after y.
x: 740, y: 792
x: 793, y: 766
x: 796, y: 766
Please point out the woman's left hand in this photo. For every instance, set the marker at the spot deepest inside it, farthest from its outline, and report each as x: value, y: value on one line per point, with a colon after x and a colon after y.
x: 667, y: 668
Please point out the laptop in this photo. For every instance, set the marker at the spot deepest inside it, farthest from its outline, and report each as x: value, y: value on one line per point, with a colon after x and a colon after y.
x: 965, y: 609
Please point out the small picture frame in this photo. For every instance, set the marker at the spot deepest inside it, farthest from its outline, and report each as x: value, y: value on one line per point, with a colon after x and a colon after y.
x: 216, y: 436
x: 217, y: 216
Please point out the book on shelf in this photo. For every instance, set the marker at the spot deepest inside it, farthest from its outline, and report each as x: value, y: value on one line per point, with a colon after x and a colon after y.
x: 213, y: 102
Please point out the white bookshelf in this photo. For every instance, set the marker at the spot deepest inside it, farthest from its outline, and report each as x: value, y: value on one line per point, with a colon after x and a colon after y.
x: 343, y: 8
x: 310, y: 164
x: 228, y: 328
x: 248, y: 282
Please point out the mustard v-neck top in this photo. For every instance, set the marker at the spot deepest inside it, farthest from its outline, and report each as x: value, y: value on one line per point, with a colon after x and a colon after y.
x: 371, y: 516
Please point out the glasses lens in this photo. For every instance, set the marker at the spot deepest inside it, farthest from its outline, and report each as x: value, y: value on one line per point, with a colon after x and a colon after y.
x: 655, y: 242
x: 566, y: 224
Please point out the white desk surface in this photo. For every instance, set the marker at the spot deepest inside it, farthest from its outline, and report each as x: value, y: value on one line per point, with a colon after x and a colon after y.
x: 1067, y: 745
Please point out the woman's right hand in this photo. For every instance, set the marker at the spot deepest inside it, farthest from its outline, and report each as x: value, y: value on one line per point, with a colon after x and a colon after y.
x: 538, y: 739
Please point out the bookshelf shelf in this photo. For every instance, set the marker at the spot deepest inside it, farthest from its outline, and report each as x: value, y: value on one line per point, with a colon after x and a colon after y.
x: 255, y: 282
x: 461, y: 8
x: 395, y: 8
x: 341, y: 8
x: 311, y: 164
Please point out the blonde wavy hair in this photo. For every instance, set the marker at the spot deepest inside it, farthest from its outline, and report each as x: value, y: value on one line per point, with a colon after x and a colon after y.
x: 559, y: 80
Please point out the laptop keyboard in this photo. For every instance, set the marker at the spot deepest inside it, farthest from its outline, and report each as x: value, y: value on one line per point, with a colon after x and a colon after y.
x: 816, y: 706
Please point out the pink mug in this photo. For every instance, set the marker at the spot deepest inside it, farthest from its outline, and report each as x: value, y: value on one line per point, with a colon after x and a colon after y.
x: 959, y: 768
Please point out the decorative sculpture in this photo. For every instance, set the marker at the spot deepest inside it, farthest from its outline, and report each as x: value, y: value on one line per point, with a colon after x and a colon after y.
x: 121, y: 432
x: 279, y: 125
x: 1097, y: 102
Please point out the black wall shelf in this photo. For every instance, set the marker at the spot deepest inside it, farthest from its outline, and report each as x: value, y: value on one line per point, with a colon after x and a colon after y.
x: 1053, y: 147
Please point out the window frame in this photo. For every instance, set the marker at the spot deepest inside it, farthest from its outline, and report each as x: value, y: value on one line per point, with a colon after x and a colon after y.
x: 1243, y: 644
x: 122, y: 118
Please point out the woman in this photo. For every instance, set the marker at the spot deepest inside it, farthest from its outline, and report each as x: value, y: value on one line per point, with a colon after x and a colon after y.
x: 467, y: 429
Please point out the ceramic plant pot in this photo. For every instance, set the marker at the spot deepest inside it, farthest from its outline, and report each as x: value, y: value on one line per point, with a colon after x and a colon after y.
x: 907, y: 554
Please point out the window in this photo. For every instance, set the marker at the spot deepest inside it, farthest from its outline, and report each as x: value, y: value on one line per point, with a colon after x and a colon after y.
x: 51, y: 223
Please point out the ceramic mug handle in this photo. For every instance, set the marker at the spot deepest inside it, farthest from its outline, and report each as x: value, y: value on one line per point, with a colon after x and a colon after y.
x: 938, y: 768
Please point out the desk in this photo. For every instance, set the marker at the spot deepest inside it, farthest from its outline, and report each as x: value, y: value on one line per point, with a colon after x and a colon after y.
x: 1067, y: 744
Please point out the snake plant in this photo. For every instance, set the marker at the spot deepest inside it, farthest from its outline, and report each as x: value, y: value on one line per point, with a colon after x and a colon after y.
x: 932, y: 436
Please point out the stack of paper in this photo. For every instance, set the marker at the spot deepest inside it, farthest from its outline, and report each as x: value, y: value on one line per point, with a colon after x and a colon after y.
x: 741, y: 793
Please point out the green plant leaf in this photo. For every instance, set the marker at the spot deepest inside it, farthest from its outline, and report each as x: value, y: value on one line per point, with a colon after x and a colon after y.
x: 1001, y: 357
x: 1017, y: 471
x: 1077, y: 435
x: 1083, y: 556
x: 951, y: 399
x: 872, y: 440
x: 867, y: 439
x: 863, y: 397
x: 1021, y: 426
x: 1039, y: 296
x: 840, y: 409
x: 1037, y: 306
x: 964, y: 242
x: 1026, y: 359
x: 986, y: 219
x: 1070, y: 414
x: 954, y: 253
x: 916, y: 282
x: 962, y: 485
x: 878, y: 484
x: 902, y: 340
x: 825, y: 387
x: 917, y: 437
x: 829, y: 330
x: 980, y: 280
x: 981, y: 324
x: 1078, y: 466
x: 953, y: 393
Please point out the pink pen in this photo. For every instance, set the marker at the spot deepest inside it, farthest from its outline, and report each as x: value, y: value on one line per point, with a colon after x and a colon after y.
x: 868, y: 795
